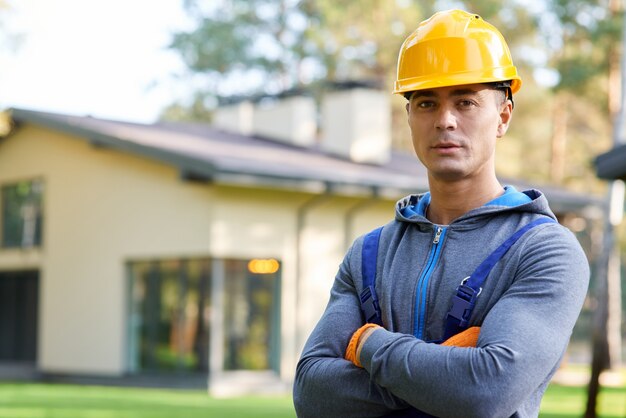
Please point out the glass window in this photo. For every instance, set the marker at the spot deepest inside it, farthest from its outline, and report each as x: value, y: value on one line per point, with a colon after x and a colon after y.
x: 251, y: 315
x: 22, y: 214
x: 170, y: 315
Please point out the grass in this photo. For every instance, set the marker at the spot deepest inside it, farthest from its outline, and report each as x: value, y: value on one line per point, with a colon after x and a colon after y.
x: 35, y: 400
x: 570, y: 401
x: 569, y: 398
x: 39, y: 400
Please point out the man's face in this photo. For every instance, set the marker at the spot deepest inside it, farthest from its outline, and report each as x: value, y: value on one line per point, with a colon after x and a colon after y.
x: 454, y: 129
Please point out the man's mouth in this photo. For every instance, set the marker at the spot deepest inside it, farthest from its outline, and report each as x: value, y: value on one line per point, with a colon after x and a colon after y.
x: 446, y: 145
x: 447, y: 148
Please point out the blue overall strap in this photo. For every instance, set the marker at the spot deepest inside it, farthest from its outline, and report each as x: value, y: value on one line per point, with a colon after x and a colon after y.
x: 368, y: 298
x: 463, y: 302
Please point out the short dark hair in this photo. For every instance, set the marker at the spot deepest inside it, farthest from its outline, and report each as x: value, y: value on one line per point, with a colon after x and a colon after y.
x: 503, y: 86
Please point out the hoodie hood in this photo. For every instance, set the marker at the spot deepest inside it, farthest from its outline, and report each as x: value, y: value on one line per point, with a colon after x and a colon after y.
x: 412, y: 208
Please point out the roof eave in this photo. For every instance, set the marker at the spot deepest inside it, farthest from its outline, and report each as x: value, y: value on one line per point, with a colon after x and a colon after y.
x: 185, y: 164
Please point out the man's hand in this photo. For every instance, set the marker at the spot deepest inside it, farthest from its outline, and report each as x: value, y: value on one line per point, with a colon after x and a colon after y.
x: 467, y: 338
x: 356, y: 342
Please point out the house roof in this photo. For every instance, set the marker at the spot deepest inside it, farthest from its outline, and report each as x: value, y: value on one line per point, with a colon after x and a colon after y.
x: 612, y: 164
x: 201, y: 152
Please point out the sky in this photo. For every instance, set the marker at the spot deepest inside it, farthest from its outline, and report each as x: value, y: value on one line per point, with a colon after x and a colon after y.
x: 104, y: 58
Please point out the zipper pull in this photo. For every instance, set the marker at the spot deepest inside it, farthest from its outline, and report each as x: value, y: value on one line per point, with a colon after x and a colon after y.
x: 437, y: 235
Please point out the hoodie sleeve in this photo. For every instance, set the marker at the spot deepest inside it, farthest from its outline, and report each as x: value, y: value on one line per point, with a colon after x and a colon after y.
x: 327, y: 385
x: 521, y: 343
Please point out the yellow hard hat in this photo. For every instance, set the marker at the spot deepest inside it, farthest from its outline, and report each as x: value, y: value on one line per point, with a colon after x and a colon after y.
x: 454, y: 48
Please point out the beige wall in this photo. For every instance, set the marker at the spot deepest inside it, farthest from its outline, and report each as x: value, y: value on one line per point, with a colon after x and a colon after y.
x: 324, y: 241
x: 103, y: 208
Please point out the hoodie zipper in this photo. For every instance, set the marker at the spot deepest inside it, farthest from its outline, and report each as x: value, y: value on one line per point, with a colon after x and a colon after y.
x: 419, y: 318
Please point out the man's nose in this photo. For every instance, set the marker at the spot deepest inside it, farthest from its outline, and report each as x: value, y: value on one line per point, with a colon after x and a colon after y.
x: 445, y: 119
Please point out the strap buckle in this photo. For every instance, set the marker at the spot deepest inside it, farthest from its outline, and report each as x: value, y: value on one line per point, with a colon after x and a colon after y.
x: 480, y: 289
x: 463, y: 303
x: 370, y: 306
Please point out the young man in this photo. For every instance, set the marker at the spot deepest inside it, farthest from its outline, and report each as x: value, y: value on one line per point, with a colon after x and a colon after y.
x: 457, y: 74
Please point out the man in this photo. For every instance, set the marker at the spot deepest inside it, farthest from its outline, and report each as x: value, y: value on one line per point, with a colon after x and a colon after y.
x: 457, y: 74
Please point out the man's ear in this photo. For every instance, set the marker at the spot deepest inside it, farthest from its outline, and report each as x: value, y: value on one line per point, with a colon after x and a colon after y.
x: 407, y: 107
x: 506, y: 113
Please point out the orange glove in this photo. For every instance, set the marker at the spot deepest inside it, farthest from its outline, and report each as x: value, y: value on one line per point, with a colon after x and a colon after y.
x: 353, y: 345
x: 467, y: 338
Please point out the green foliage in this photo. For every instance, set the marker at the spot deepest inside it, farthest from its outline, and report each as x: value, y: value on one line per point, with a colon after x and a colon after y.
x: 258, y: 40
x: 267, y: 46
x: 564, y: 50
x: 581, y: 35
x: 196, y: 111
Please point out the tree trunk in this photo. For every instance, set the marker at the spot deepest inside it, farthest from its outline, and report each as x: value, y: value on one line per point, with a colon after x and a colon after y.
x: 600, y: 357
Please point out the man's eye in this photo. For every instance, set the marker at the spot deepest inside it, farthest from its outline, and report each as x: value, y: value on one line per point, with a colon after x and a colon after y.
x: 465, y: 103
x: 425, y: 104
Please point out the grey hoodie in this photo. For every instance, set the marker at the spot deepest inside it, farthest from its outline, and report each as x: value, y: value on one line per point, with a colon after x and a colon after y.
x: 527, y: 309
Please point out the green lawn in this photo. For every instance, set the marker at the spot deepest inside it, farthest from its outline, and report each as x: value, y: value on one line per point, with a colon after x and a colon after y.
x: 71, y: 401
x: 568, y: 401
x: 35, y: 400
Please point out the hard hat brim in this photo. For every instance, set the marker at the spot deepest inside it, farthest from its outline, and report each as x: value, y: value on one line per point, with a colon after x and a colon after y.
x: 459, y: 79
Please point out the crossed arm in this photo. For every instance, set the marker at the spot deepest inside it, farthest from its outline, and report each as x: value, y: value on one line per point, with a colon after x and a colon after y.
x: 521, y: 343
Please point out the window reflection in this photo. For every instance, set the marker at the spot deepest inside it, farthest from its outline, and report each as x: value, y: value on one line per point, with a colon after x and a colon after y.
x: 170, y: 316
x: 22, y: 214
x: 170, y: 313
x: 250, y: 317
